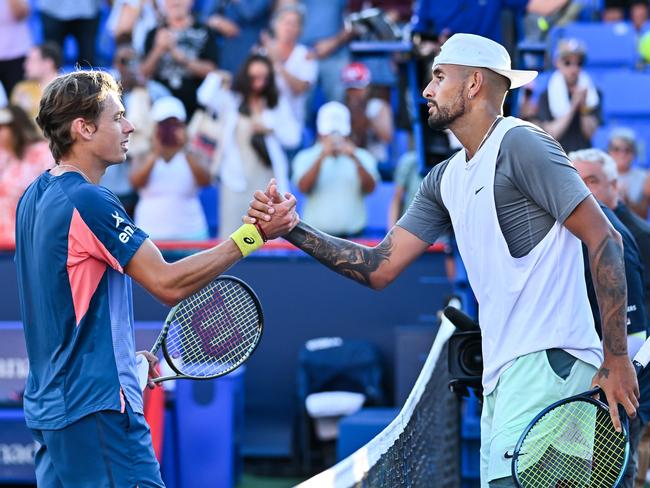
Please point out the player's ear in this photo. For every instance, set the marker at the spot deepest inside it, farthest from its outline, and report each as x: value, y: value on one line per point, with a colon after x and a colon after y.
x: 474, y: 81
x: 81, y: 129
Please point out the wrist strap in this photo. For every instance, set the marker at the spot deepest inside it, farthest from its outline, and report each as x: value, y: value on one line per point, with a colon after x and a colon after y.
x: 261, y: 231
x: 247, y: 238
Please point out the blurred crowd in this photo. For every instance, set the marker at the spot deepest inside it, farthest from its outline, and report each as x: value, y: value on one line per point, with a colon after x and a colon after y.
x: 226, y: 94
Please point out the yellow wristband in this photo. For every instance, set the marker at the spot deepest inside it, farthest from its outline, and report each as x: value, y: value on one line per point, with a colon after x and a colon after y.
x: 247, y: 238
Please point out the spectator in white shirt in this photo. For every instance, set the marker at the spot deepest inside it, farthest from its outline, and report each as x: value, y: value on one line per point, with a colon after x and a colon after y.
x: 335, y: 175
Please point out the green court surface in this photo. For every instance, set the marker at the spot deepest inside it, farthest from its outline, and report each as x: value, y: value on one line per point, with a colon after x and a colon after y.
x: 253, y: 481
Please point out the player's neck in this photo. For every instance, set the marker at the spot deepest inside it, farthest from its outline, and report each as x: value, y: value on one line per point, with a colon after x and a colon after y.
x: 91, y: 172
x: 472, y: 134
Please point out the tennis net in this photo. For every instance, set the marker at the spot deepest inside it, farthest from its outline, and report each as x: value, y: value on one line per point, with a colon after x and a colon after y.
x: 420, y: 448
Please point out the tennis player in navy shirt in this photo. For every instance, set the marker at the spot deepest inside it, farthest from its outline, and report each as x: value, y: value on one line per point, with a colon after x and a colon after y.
x: 76, y: 251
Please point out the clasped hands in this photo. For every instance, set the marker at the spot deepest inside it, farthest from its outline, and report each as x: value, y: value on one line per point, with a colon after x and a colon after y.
x: 274, y: 213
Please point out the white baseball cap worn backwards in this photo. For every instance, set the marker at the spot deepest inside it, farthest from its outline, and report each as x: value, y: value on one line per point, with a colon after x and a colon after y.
x: 481, y: 52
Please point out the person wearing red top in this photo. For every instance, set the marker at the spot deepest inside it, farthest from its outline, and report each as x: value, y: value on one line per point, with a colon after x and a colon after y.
x: 23, y: 156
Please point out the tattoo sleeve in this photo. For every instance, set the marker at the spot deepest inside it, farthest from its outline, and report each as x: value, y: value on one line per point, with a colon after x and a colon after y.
x: 347, y: 258
x: 608, y: 272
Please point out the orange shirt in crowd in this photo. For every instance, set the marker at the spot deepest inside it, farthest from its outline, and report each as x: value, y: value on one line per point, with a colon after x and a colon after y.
x: 15, y: 176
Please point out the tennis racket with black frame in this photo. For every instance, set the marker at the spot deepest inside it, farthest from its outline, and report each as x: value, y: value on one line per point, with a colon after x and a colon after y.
x: 573, y: 444
x: 212, y: 332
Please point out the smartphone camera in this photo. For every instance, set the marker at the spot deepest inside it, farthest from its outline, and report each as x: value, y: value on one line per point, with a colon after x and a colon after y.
x: 337, y: 141
x: 167, y: 132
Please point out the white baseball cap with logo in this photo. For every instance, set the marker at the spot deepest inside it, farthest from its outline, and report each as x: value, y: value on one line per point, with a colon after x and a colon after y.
x: 481, y: 52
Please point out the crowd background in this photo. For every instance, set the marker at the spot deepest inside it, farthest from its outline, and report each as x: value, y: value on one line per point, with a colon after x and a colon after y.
x: 226, y: 94
x: 252, y: 75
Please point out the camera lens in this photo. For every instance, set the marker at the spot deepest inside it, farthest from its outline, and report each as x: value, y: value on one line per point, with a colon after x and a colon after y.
x: 471, y: 358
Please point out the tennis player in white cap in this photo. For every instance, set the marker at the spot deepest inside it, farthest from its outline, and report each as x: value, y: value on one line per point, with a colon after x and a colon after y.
x: 520, y: 213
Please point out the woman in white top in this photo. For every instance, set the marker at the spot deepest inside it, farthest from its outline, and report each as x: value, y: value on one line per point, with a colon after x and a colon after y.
x: 168, y: 180
x: 296, y: 70
x: 257, y: 124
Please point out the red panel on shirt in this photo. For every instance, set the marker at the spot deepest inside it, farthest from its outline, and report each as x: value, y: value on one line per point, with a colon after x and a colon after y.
x: 87, y: 260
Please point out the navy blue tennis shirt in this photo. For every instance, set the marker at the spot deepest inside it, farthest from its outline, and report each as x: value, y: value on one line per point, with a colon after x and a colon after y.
x: 636, y: 316
x: 636, y: 321
x: 73, y: 241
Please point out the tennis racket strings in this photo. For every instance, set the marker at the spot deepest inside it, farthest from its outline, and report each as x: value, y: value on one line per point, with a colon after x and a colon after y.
x: 573, y: 445
x: 213, y: 330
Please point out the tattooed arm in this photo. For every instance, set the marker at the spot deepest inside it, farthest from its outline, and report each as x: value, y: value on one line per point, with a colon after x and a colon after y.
x: 616, y: 375
x: 375, y: 267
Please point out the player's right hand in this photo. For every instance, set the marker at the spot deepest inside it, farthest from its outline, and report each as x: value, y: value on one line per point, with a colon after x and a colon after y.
x: 275, y: 213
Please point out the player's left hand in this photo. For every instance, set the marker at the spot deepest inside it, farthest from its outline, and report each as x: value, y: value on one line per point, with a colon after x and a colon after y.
x: 153, y: 369
x: 617, y: 378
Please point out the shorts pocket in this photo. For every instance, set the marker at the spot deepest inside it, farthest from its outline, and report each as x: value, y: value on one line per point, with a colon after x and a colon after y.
x: 560, y: 363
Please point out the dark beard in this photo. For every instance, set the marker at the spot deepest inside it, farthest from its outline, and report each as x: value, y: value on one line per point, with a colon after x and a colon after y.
x: 444, y: 117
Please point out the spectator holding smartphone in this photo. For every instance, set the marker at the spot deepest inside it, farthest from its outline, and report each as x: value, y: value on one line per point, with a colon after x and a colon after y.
x: 335, y: 175
x: 168, y: 179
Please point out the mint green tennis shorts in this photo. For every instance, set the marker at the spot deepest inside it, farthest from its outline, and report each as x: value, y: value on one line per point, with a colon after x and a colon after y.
x: 528, y: 386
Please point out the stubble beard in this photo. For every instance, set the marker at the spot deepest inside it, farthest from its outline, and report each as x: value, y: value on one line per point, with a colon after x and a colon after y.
x: 443, y: 117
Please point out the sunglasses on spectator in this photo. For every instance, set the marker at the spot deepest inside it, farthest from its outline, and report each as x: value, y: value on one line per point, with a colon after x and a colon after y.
x: 623, y: 149
x: 572, y: 62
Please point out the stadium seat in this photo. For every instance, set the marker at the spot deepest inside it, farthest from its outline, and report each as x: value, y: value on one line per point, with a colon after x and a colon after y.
x: 210, y: 421
x: 377, y: 204
x: 540, y: 84
x: 625, y: 96
x: 300, y: 198
x: 334, y: 364
x: 396, y: 149
x: 209, y: 196
x: 590, y: 9
x: 358, y: 429
x: 611, y: 45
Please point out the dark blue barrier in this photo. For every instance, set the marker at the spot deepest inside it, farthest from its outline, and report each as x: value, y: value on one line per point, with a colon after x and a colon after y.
x: 210, y: 420
x: 358, y: 429
x: 470, y: 442
x: 17, y: 448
